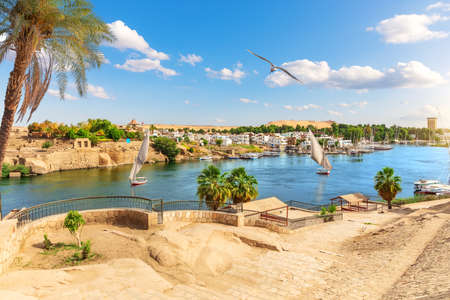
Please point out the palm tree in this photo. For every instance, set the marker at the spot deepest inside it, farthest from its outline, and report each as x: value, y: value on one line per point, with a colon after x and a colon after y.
x: 213, y: 187
x: 387, y: 185
x: 46, y: 36
x: 243, y: 186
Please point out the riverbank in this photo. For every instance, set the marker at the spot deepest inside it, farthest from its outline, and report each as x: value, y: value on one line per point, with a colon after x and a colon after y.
x: 366, y: 256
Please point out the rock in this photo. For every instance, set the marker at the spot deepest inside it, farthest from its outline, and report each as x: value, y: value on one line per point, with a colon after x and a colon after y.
x: 104, y: 160
x: 37, y: 166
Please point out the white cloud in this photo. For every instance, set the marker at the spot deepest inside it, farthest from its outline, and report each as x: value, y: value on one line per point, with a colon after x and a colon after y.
x: 191, y: 59
x: 97, y: 91
x: 409, y: 28
x: 218, y: 120
x: 359, y: 104
x: 127, y: 38
x: 246, y: 100
x: 335, y: 113
x: 267, y: 105
x: 67, y: 96
x: 430, y: 110
x: 412, y: 74
x: 226, y: 74
x: 255, y: 72
x: 439, y: 5
x: 144, y: 65
x: 352, y: 112
x: 302, y: 108
x: 186, y: 102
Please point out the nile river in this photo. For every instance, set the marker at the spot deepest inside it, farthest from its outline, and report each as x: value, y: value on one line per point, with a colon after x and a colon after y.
x: 288, y: 177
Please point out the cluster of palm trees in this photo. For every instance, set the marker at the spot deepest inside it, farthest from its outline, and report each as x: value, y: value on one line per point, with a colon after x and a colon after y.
x: 215, y: 187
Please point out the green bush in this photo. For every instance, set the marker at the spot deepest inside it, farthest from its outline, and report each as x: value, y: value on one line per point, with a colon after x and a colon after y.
x: 94, y: 139
x: 6, y: 169
x: 166, y: 146
x: 73, y: 222
x: 47, y: 243
x: 114, y: 133
x: 331, y: 209
x: 47, y: 144
x: 323, y: 211
x: 191, y: 150
x: 85, y: 249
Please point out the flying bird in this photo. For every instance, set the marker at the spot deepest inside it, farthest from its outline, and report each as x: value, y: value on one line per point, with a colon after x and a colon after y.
x: 273, y: 68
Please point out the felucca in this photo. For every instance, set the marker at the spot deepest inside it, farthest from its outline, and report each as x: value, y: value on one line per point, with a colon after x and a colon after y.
x: 139, y: 161
x: 318, y: 155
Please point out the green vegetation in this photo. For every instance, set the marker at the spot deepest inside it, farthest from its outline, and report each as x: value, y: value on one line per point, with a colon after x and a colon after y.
x: 166, y: 146
x: 74, y: 222
x: 94, y: 129
x: 331, y: 209
x: 68, y: 32
x: 47, y: 144
x: 213, y: 187
x: 250, y: 148
x: 47, y: 243
x: 243, y: 187
x: 418, y: 198
x: 219, y: 142
x: 191, y: 149
x: 6, y: 169
x: 387, y: 185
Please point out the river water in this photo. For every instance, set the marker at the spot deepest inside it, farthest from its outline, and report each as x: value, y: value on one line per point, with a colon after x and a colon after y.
x: 288, y: 177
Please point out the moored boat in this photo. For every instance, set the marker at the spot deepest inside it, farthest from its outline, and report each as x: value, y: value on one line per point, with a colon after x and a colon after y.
x: 423, y: 184
x: 206, y: 158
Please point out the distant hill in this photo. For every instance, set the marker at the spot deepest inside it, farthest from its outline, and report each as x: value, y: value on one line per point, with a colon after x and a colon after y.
x: 293, y: 123
x: 196, y: 127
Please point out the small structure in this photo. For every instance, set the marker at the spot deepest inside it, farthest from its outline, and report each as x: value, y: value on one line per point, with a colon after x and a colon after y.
x: 14, y: 174
x: 81, y: 143
x: 351, y: 202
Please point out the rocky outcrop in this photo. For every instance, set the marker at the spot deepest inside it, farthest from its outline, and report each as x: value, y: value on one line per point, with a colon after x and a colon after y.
x: 104, y: 160
x: 37, y: 166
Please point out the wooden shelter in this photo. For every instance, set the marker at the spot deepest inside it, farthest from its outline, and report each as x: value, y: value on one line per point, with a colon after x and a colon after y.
x: 351, y: 202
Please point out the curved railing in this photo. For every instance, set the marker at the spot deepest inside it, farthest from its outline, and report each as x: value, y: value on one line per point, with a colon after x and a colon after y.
x: 98, y: 202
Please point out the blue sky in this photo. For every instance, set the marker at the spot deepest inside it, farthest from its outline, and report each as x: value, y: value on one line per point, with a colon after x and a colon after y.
x: 185, y: 62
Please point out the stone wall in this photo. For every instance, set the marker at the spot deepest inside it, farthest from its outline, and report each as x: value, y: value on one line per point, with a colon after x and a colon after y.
x: 200, y: 216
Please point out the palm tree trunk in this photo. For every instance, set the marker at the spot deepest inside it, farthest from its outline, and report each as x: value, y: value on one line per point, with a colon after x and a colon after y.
x: 24, y: 52
x: 389, y: 204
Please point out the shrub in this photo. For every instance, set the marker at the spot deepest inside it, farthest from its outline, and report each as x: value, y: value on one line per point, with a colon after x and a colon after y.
x: 94, y: 139
x: 331, y: 209
x: 73, y: 222
x: 114, y: 133
x: 166, y: 146
x: 6, y: 169
x: 47, y: 144
x: 191, y: 150
x: 47, y: 243
x: 323, y: 211
x: 219, y: 142
x: 85, y: 249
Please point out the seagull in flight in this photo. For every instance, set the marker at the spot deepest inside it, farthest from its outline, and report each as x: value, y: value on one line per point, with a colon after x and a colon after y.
x: 274, y: 68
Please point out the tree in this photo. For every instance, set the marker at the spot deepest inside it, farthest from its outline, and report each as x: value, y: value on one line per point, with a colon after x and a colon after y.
x: 47, y: 36
x: 243, y: 187
x: 166, y: 146
x: 387, y: 185
x: 74, y: 222
x: 213, y: 187
x: 219, y: 142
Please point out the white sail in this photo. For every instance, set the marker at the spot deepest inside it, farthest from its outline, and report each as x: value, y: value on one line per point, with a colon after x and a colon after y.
x: 141, y: 157
x: 317, y: 153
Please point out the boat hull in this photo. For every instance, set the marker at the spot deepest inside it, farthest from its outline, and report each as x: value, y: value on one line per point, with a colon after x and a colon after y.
x: 138, y: 181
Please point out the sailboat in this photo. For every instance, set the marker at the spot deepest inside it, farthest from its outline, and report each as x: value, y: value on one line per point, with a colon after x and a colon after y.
x: 318, y: 155
x: 139, y: 161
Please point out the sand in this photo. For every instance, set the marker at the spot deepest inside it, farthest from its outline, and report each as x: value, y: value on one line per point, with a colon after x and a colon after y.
x: 399, y: 254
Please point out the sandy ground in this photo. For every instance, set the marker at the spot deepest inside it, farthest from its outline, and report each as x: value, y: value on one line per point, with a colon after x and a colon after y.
x: 401, y: 254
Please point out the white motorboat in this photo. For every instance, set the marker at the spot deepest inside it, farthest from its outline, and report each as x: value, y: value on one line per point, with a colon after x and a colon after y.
x: 206, y: 158
x: 423, y: 184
